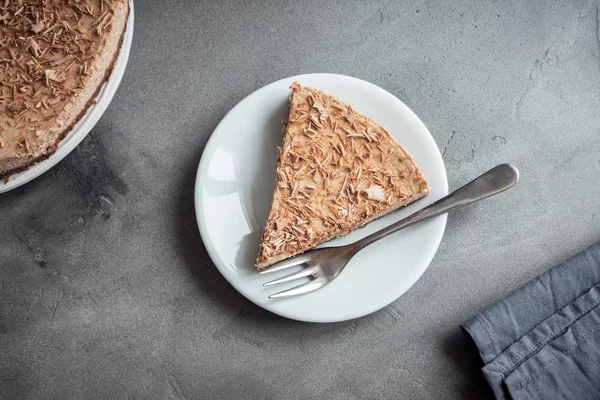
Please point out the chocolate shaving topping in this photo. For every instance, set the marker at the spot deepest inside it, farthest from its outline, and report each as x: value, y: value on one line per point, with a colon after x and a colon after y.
x: 46, y: 49
x: 37, y: 27
x: 337, y: 170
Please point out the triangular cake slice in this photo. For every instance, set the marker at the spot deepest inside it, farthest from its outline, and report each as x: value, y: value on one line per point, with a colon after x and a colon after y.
x: 337, y: 170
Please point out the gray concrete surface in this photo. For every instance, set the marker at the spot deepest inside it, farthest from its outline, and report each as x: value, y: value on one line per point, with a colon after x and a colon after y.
x: 106, y: 290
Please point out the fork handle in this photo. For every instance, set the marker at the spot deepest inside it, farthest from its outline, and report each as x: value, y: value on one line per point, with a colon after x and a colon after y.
x: 496, y: 180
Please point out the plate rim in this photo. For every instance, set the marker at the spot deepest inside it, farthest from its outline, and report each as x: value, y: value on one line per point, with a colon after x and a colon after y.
x: 87, y: 122
x: 198, y: 204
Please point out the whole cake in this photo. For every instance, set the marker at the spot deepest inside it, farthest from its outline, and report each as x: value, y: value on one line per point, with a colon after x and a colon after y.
x: 337, y: 171
x: 55, y: 55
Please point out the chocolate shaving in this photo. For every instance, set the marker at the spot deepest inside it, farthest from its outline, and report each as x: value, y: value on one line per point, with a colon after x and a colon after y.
x: 37, y: 27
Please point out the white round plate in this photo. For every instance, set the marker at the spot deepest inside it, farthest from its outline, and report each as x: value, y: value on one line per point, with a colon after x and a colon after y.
x: 85, y: 124
x: 234, y: 188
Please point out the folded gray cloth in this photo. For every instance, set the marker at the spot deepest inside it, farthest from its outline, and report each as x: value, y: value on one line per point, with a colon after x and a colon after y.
x: 543, y: 341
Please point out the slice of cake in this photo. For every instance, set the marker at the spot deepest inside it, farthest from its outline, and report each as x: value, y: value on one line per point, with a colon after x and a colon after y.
x: 54, y: 58
x: 337, y: 171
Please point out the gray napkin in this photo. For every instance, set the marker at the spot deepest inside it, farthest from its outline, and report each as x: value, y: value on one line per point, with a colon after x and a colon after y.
x: 543, y: 341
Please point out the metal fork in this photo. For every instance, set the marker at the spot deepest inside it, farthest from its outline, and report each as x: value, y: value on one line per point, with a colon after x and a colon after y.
x: 325, y: 264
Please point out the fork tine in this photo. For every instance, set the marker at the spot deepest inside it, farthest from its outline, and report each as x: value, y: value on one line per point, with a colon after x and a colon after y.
x: 287, y: 263
x: 296, y: 275
x: 301, y: 289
